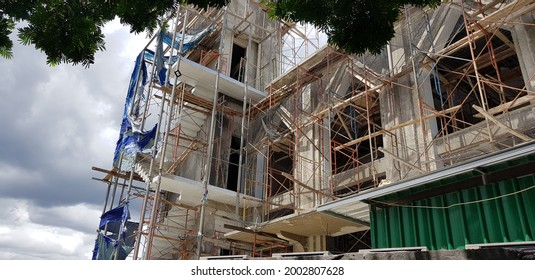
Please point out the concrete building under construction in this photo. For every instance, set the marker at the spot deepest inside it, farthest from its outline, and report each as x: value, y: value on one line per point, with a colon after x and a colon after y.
x: 265, y: 140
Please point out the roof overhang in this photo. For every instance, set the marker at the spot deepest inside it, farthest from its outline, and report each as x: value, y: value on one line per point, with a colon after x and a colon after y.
x: 311, y: 223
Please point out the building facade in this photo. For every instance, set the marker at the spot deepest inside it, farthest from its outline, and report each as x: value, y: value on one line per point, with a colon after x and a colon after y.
x: 268, y: 141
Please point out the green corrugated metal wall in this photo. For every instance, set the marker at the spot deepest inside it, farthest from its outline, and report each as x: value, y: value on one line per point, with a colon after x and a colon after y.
x: 507, y: 219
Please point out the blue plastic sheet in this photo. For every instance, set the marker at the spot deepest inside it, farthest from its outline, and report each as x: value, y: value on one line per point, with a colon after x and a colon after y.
x: 149, y: 56
x: 190, y: 41
x: 116, y: 234
x: 161, y: 71
x: 131, y: 139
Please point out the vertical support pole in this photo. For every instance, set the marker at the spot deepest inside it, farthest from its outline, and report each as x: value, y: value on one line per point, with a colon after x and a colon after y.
x: 116, y: 181
x: 245, y: 160
x: 207, y: 166
x: 107, y: 198
x: 147, y: 190
x: 295, y: 191
x: 122, y: 191
x: 368, y: 116
x: 104, y: 209
x: 417, y: 88
x: 152, y: 223
x: 476, y: 72
x: 153, y: 157
x: 242, y: 130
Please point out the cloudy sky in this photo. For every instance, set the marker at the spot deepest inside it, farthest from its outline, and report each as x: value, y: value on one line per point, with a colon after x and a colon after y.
x: 55, y: 124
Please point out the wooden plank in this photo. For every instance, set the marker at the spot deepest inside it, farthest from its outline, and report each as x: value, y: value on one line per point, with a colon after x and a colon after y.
x: 507, y: 106
x: 115, y: 172
x: 193, y: 208
x: 375, y: 134
x: 483, y: 61
x: 358, y: 140
x: 402, y: 161
x: 289, y: 176
x: 261, y: 233
x: 500, y: 124
x: 490, y: 22
x: 485, y: 8
x: 507, y: 13
x: 344, y: 125
x: 504, y: 38
x: 199, y: 101
x: 435, y: 114
x: 183, y: 157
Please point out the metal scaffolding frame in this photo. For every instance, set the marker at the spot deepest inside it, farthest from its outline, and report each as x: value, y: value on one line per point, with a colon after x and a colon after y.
x: 329, y: 125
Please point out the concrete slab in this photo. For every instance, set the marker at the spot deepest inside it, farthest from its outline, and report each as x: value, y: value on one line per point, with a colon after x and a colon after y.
x: 191, y: 192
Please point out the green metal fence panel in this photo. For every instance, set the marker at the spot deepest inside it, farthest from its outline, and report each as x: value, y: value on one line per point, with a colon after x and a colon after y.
x: 498, y: 212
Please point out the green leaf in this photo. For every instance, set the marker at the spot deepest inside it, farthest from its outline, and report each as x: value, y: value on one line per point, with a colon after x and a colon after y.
x: 70, y: 31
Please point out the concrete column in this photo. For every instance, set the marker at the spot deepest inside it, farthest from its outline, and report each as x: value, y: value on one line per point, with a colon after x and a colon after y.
x: 316, y: 243
x: 401, y: 103
x: 524, y: 39
x: 309, y: 163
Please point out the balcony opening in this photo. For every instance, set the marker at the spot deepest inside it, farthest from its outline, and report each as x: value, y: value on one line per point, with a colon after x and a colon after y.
x: 280, y: 162
x: 237, y: 65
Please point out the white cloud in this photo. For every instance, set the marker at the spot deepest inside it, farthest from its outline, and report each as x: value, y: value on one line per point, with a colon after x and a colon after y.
x: 26, y: 234
x: 112, y: 26
x: 4, y: 230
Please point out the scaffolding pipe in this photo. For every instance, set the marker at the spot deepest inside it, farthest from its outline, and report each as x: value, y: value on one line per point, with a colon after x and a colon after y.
x: 107, y: 198
x: 116, y: 181
x: 153, y: 156
x: 471, y: 43
x: 207, y: 165
x: 242, y: 132
x: 143, y: 119
x: 147, y: 191
x: 254, y: 182
x: 136, y: 88
x: 122, y: 191
x: 104, y: 210
x: 152, y: 222
x: 417, y: 85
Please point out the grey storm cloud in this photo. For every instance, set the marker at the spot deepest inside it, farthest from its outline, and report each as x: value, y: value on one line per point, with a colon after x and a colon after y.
x: 55, y: 123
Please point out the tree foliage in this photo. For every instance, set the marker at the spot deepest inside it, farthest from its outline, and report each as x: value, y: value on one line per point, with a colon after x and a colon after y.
x: 6, y: 25
x: 70, y: 31
x: 356, y: 26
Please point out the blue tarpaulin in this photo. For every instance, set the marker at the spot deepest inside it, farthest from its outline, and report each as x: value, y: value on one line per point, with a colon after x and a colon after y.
x: 114, y: 215
x: 161, y: 71
x: 190, y: 41
x: 149, y: 56
x: 131, y: 139
x: 115, y: 231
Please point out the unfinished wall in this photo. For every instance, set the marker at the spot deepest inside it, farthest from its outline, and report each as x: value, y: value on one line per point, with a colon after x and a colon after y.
x: 524, y: 38
x: 335, y: 125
